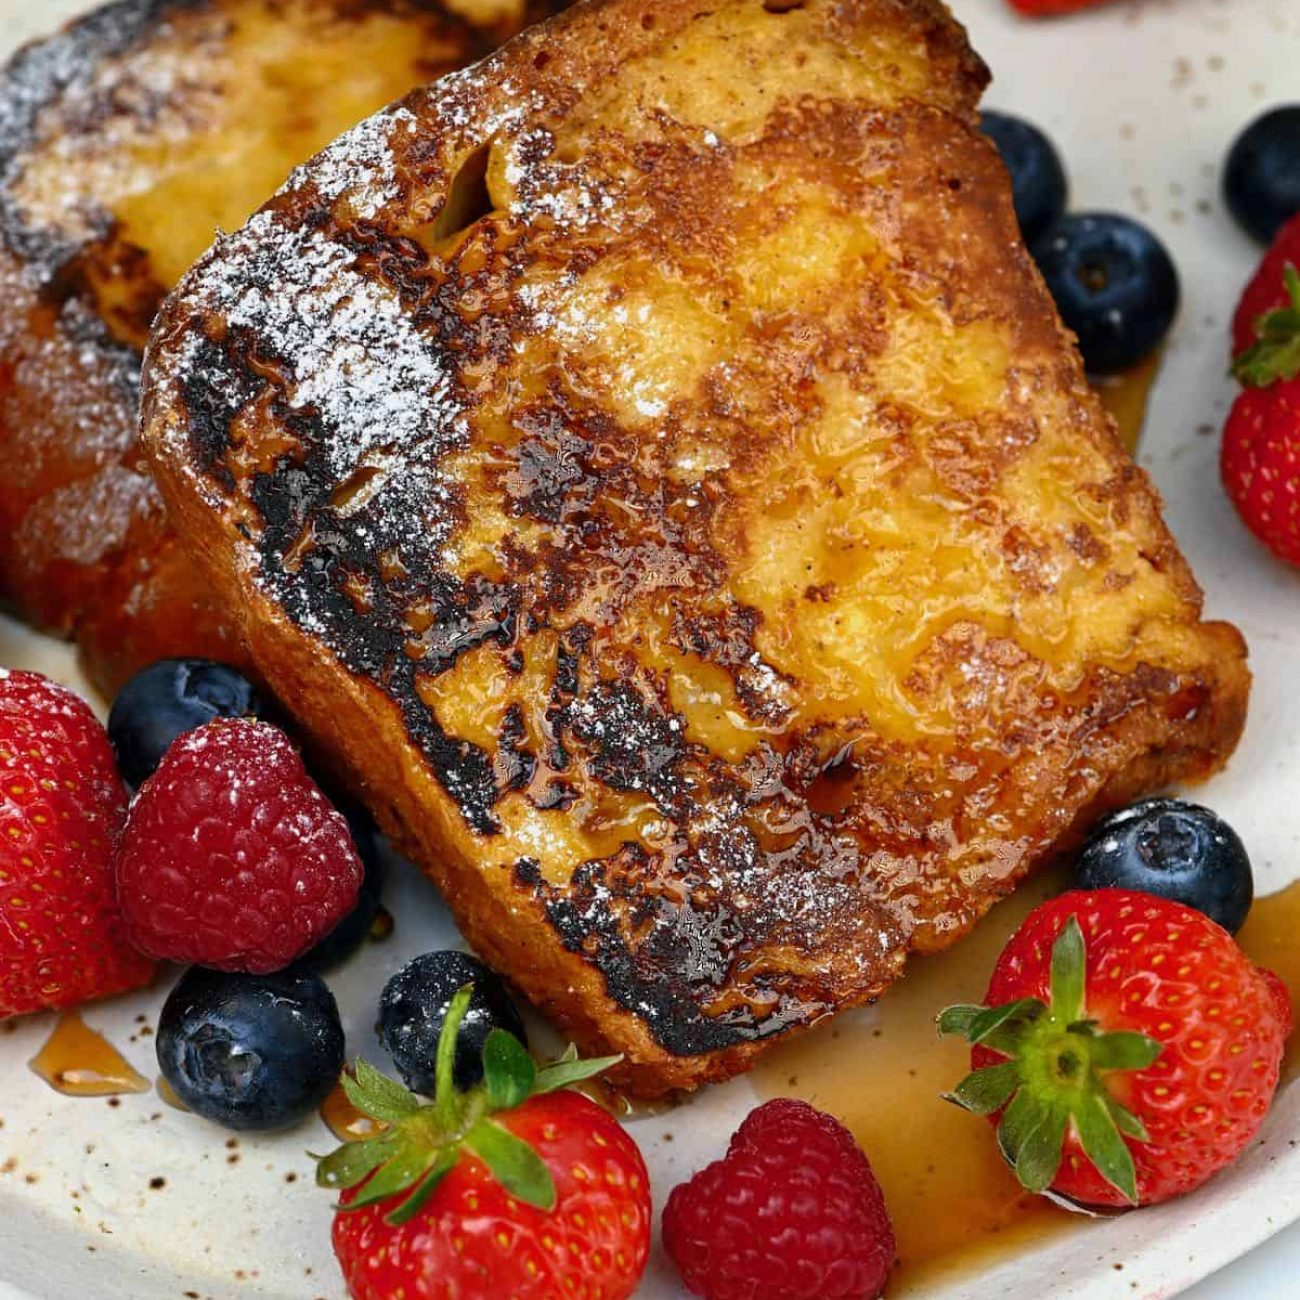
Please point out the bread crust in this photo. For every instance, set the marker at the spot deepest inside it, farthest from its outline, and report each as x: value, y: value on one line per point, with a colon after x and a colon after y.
x: 650, y: 463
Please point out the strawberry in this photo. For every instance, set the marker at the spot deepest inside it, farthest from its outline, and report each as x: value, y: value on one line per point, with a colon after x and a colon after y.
x: 792, y: 1165
x: 1267, y: 291
x: 516, y: 1188
x: 232, y: 856
x: 62, y: 807
x: 1128, y: 1049
x: 1260, y: 454
x: 1052, y: 8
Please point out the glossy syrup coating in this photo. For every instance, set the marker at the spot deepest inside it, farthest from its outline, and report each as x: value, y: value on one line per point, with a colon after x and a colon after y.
x: 650, y: 461
x: 126, y: 141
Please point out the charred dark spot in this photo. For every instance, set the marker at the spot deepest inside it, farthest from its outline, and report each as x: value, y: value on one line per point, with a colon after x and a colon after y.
x: 552, y: 477
x: 631, y: 742
x: 514, y: 764
x: 555, y: 795
x: 528, y: 872
x: 668, y: 980
x: 214, y: 392
x: 465, y: 616
x: 727, y: 641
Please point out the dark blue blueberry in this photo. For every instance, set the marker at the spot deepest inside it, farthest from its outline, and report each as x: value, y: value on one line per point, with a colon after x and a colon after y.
x: 168, y: 698
x: 1115, y: 286
x: 251, y: 1051
x: 414, y: 1005
x: 1174, y: 849
x: 1038, y: 183
x: 352, y: 931
x: 1261, y: 181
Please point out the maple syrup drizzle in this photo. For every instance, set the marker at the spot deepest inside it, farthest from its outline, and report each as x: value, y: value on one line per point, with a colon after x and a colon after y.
x: 955, y: 1206
x: 79, y: 1062
x: 1125, y: 397
x: 345, y: 1121
x: 168, y: 1094
x: 1271, y: 938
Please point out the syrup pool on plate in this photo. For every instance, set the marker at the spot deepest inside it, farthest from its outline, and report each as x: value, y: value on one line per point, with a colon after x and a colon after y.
x: 80, y: 1062
x: 956, y: 1207
x: 345, y: 1121
x: 883, y: 1071
x: 1125, y: 397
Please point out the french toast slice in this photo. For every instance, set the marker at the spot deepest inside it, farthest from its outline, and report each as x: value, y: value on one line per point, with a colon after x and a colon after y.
x: 126, y: 140
x: 651, y: 464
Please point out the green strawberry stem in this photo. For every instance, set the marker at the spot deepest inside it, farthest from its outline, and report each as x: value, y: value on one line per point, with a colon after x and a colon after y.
x: 1053, y: 1079
x: 424, y: 1142
x: 1275, y: 354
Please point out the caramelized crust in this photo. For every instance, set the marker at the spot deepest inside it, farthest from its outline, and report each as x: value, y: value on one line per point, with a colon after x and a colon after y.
x: 651, y: 464
x: 126, y: 141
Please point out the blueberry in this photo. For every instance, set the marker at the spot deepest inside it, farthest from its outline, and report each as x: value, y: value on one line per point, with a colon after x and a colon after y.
x: 1115, y: 286
x: 168, y: 698
x: 1174, y: 849
x: 352, y: 931
x: 415, y: 1002
x: 1261, y: 181
x: 251, y: 1051
x: 1038, y: 183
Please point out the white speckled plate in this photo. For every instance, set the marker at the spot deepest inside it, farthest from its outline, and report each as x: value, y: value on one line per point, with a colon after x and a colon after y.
x: 1143, y: 97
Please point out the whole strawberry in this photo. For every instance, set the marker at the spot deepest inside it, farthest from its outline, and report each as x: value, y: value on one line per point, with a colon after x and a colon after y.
x: 1260, y: 455
x: 1128, y: 1051
x: 62, y: 807
x: 516, y: 1188
x: 232, y: 857
x: 793, y: 1166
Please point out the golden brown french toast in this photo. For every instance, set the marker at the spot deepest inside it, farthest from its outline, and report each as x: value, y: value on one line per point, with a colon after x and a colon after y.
x: 126, y: 140
x: 651, y: 463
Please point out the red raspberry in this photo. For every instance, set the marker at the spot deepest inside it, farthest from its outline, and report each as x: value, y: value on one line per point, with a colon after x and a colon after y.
x: 789, y: 1167
x: 232, y: 857
x: 62, y: 806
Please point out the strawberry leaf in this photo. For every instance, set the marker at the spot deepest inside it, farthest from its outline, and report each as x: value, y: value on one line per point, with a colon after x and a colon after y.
x: 1124, y: 1051
x: 1126, y: 1121
x: 378, y: 1096
x: 1067, y: 975
x: 424, y: 1189
x: 985, y: 1091
x: 448, y: 1103
x: 408, y: 1165
x: 514, y: 1164
x: 508, y: 1071
x: 1275, y: 354
x: 1100, y: 1138
x: 957, y: 1020
x: 991, y: 1019
x: 1031, y: 1135
x: 351, y: 1164
x: 564, y: 1074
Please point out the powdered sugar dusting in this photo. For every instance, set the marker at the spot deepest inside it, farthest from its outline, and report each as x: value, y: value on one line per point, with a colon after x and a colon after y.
x: 353, y: 354
x: 359, y: 164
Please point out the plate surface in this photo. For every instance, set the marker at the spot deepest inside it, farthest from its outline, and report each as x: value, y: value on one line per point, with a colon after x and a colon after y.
x: 1144, y: 98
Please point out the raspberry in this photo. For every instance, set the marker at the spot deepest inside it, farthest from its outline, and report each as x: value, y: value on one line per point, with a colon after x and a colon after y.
x: 62, y: 807
x: 789, y: 1167
x: 232, y: 856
